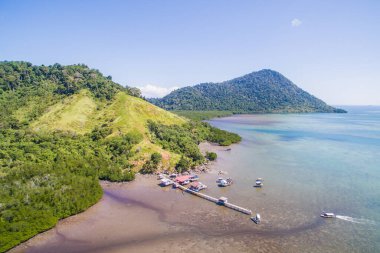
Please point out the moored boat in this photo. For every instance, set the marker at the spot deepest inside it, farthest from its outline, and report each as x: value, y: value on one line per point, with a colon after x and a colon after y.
x: 219, y: 180
x: 197, y: 186
x: 194, y: 178
x: 256, y: 219
x: 173, y: 175
x: 165, y: 182
x: 225, y: 182
x: 259, y: 182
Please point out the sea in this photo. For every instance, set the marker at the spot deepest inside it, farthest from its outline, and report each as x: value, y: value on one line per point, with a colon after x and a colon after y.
x: 311, y: 163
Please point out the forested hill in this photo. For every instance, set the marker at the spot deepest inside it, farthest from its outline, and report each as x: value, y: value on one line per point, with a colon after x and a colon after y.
x: 62, y: 128
x: 264, y: 91
x: 40, y: 86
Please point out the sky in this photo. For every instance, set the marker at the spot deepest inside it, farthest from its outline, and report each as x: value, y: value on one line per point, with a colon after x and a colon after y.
x: 328, y: 48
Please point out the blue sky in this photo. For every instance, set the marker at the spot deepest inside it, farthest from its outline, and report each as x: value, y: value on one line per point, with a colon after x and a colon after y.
x: 329, y: 48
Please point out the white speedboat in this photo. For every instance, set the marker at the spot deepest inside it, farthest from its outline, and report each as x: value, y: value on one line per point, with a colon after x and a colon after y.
x: 256, y: 219
x: 327, y: 215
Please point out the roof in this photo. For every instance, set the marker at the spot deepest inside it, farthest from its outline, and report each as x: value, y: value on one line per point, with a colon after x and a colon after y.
x: 182, y: 179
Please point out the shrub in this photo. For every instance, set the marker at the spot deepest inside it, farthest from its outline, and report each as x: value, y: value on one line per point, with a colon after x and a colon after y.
x: 151, y: 165
x: 211, y: 156
x: 184, y: 164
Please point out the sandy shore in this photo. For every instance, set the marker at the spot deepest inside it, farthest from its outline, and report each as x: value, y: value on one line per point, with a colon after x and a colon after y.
x: 142, y: 217
x: 138, y: 217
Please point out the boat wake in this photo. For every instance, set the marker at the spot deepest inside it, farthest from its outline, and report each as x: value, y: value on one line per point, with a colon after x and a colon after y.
x: 355, y: 220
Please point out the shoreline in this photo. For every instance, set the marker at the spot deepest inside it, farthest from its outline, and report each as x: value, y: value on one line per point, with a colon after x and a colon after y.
x: 169, y: 222
x: 67, y: 221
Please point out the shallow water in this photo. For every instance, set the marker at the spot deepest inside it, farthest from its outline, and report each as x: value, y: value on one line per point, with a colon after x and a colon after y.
x: 309, y: 162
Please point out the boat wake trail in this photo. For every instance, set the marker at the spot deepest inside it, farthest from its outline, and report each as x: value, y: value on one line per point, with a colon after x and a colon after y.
x: 355, y: 220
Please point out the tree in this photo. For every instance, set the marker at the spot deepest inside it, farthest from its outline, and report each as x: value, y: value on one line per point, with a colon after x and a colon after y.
x: 183, y: 164
x: 136, y: 92
x: 151, y: 165
x: 211, y: 156
x: 156, y: 158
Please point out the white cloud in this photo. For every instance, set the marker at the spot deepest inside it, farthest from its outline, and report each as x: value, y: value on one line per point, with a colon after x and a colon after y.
x: 153, y: 91
x: 296, y: 22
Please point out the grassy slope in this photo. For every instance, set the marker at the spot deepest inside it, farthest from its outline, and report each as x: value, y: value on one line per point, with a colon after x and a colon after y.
x: 75, y: 113
x: 80, y: 113
x: 129, y: 113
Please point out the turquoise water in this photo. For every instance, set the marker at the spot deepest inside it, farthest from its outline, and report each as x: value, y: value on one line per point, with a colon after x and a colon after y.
x: 310, y: 163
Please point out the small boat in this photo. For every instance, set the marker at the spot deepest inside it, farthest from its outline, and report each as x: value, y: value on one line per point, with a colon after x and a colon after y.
x: 256, y: 219
x: 225, y: 182
x: 194, y: 178
x: 327, y: 215
x: 197, y: 186
x: 259, y: 182
x: 219, y: 180
x: 173, y: 175
x: 165, y: 182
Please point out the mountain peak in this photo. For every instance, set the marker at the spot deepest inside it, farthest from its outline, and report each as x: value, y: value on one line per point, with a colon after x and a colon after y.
x: 263, y: 91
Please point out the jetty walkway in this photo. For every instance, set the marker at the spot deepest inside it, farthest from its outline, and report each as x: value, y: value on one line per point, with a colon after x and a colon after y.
x: 212, y: 199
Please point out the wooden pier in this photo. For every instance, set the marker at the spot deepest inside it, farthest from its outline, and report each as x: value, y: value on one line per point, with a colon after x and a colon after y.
x: 212, y: 199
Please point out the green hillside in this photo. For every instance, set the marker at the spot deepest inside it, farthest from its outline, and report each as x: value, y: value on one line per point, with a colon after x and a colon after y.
x: 264, y: 91
x: 81, y: 113
x: 62, y: 128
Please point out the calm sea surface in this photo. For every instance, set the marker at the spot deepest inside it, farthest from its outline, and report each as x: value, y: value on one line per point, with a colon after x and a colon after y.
x: 310, y: 163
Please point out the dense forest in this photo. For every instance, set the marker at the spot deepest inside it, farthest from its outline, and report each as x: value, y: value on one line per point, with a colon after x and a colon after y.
x: 45, y: 177
x: 203, y: 115
x: 265, y: 91
x: 185, y: 139
x: 22, y: 83
x: 47, y: 174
